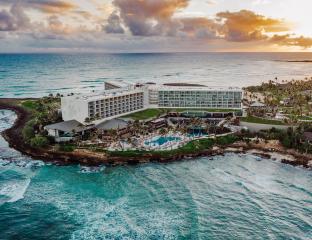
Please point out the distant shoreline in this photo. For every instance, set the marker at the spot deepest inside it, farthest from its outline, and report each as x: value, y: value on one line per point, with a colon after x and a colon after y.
x: 13, y: 136
x: 295, y: 61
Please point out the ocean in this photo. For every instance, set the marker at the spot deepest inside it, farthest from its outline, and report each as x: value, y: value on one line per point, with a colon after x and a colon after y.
x: 28, y: 75
x: 236, y: 196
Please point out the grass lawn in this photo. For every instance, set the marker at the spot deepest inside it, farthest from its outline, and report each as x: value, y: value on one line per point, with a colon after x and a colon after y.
x: 216, y: 110
x: 153, y: 113
x: 146, y: 114
x: 30, y: 104
x: 252, y: 119
x: 305, y: 118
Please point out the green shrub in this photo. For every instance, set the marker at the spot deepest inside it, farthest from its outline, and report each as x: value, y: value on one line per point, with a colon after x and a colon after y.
x: 30, y: 104
x: 28, y: 131
x: 226, y: 140
x: 66, y: 148
x: 286, y: 142
x: 39, y: 142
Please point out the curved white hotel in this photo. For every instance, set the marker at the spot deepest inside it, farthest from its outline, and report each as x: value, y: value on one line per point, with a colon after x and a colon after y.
x: 120, y: 98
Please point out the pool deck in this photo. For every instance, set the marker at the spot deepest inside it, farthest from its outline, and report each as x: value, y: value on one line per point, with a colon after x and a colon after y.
x: 169, y: 145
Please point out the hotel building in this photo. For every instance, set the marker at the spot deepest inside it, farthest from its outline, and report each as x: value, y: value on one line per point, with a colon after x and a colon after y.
x: 120, y: 98
x: 105, y: 105
x: 199, y: 98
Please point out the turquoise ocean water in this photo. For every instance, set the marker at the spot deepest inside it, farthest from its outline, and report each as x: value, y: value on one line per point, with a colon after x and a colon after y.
x: 225, y: 197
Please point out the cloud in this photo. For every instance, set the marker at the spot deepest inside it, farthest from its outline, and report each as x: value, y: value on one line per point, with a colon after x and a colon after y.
x: 288, y: 40
x: 156, y: 18
x: 201, y: 28
x: 47, y: 6
x: 260, y: 2
x: 114, y: 24
x: 57, y: 27
x: 211, y: 2
x: 150, y: 17
x: 246, y: 25
x: 61, y: 21
x: 51, y: 6
x: 14, y: 19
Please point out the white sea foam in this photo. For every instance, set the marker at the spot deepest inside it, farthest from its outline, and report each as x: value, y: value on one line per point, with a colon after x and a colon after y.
x: 21, y: 162
x: 85, y: 169
x: 7, y: 118
x: 14, y: 191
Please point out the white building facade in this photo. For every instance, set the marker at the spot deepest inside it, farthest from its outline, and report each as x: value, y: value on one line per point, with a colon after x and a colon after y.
x: 103, y: 106
x: 200, y: 98
x: 119, y: 99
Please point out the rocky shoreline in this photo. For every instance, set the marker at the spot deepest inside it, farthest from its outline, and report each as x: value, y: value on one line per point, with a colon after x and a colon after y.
x: 14, y: 137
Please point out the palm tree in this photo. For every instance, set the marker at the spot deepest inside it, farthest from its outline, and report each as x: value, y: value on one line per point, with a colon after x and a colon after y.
x: 207, y: 127
x: 162, y: 131
x: 87, y: 120
x: 129, y: 140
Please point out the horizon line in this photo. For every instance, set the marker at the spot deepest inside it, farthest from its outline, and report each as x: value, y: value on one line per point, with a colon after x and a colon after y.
x: 147, y: 52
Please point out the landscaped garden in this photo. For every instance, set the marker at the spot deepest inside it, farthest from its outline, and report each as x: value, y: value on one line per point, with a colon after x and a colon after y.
x: 253, y: 119
x: 146, y: 114
x: 43, y: 111
x: 192, y: 147
x: 154, y: 113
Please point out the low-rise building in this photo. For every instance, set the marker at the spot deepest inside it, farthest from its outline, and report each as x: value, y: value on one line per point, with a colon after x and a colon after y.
x: 118, y: 125
x: 158, y: 123
x: 65, y: 131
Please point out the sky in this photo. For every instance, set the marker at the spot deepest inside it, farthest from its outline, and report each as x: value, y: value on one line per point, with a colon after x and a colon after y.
x: 155, y: 25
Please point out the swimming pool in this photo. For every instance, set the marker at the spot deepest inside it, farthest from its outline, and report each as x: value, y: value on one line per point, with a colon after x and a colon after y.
x: 158, y: 141
x: 191, y: 135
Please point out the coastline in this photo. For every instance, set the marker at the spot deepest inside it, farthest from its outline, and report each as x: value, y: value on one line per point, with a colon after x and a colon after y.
x: 14, y: 138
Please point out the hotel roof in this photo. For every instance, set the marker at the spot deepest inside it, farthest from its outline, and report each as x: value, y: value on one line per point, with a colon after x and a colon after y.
x: 119, y: 83
x: 106, y: 94
x: 257, y: 104
x: 192, y: 87
x: 184, y: 85
x: 112, y: 124
x: 67, y: 126
x: 129, y: 88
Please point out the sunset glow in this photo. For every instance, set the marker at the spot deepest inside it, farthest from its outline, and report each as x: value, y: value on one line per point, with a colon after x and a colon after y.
x: 155, y: 25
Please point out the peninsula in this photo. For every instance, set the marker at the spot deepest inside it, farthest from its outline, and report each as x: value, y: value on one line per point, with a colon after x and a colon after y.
x: 130, y: 123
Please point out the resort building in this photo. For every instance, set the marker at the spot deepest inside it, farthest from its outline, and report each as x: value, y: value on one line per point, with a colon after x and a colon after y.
x: 121, y: 98
x: 65, y: 131
x: 158, y: 123
x: 109, y: 85
x: 199, y: 97
x: 105, y: 105
x: 119, y: 126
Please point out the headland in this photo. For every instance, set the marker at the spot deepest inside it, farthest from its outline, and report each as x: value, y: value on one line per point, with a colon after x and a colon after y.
x: 151, y: 135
